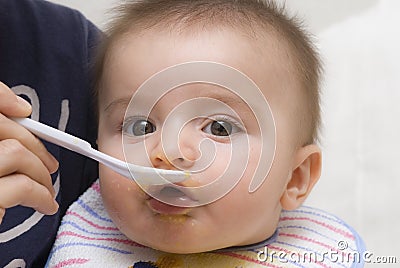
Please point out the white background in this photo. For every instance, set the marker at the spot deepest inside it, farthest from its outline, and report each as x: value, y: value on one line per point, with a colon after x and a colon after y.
x: 360, y: 42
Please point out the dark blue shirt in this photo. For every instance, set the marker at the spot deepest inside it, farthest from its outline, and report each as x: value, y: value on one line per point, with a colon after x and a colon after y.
x: 45, y: 54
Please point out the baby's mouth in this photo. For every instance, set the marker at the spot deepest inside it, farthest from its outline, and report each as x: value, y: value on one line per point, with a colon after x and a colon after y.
x: 170, y: 199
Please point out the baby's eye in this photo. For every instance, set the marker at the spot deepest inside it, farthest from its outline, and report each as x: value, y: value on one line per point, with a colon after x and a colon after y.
x: 220, y: 128
x: 139, y: 127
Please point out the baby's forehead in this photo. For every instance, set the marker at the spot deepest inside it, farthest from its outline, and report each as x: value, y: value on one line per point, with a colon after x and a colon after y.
x: 264, y: 59
x: 259, y: 56
x: 201, y: 92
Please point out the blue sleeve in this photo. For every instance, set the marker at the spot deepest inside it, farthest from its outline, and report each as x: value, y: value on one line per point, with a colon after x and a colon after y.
x: 45, y: 55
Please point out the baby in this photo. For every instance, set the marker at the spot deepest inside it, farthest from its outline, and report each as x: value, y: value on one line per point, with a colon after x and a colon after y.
x: 253, y: 39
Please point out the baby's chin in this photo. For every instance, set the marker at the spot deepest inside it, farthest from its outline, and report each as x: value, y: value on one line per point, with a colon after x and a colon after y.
x: 181, y: 234
x: 178, y: 234
x: 186, y: 247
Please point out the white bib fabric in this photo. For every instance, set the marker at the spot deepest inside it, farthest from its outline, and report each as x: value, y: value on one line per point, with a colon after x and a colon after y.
x: 306, y: 237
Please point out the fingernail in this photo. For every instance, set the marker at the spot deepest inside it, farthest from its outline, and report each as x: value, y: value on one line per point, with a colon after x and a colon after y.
x: 53, y: 193
x: 2, y: 212
x: 23, y: 103
x: 55, y: 207
x: 55, y: 166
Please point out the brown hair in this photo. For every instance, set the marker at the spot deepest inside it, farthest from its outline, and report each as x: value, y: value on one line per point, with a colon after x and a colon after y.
x: 136, y: 16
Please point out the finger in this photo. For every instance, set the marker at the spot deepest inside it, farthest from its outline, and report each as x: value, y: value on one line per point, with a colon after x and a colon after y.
x: 11, y: 130
x: 2, y: 212
x: 11, y: 104
x: 15, y: 158
x: 18, y: 189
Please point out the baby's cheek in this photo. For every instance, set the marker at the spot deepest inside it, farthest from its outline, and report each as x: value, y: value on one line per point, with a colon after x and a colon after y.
x: 119, y: 192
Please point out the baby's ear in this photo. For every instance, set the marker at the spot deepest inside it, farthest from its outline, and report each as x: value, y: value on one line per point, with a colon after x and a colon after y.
x: 306, y: 172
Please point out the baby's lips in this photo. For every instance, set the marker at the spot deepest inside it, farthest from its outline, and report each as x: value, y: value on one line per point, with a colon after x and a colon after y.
x: 166, y: 209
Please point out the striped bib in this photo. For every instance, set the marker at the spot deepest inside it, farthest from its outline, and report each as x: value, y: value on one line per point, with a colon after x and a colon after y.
x: 306, y: 237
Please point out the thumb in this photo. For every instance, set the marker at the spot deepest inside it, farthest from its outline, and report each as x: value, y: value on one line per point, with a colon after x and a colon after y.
x: 11, y: 104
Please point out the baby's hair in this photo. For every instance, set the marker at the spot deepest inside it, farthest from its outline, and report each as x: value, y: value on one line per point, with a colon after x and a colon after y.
x: 248, y: 15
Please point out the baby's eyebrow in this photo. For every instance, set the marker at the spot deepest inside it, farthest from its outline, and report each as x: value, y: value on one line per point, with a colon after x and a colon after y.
x: 234, y: 101
x: 231, y: 101
x: 228, y: 100
x: 118, y: 103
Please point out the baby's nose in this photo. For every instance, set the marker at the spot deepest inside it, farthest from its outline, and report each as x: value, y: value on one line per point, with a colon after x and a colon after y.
x: 176, y: 154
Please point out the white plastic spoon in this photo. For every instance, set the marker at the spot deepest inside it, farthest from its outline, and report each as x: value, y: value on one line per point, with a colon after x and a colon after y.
x: 142, y: 175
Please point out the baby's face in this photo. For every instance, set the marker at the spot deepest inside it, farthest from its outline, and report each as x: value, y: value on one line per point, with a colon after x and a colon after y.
x: 239, y: 217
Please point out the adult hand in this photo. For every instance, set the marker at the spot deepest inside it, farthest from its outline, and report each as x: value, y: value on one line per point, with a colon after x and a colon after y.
x: 25, y: 164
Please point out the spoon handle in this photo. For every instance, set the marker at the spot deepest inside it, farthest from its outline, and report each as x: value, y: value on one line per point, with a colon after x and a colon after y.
x: 142, y: 175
